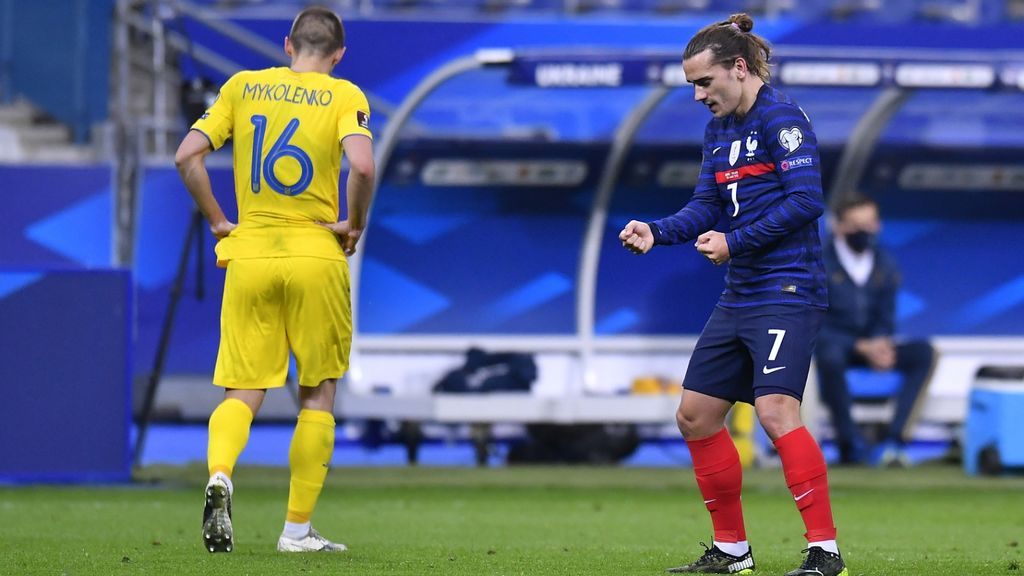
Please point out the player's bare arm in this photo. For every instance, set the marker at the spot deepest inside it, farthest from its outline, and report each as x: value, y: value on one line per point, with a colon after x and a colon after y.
x: 637, y: 237
x: 191, y: 162
x: 359, y: 191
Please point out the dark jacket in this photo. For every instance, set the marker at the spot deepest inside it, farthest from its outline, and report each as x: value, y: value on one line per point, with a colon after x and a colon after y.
x: 859, y: 311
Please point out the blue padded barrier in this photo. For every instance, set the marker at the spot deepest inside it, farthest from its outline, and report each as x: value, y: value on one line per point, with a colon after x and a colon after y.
x: 65, y: 371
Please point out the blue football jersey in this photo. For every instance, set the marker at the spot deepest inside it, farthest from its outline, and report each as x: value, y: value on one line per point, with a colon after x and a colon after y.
x: 761, y: 172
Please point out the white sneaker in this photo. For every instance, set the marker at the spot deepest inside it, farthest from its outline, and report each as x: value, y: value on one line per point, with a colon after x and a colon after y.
x: 217, y: 533
x: 312, y: 542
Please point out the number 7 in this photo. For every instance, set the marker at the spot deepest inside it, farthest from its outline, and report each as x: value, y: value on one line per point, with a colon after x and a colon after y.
x: 735, y: 201
x: 779, y: 335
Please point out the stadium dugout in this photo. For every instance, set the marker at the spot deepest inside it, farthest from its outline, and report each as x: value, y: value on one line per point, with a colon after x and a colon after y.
x: 505, y: 175
x: 495, y: 221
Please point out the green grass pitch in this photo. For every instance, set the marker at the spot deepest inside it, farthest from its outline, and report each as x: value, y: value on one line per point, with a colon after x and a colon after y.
x: 930, y: 520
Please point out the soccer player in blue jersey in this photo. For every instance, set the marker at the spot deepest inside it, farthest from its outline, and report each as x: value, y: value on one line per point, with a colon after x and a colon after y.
x: 761, y: 173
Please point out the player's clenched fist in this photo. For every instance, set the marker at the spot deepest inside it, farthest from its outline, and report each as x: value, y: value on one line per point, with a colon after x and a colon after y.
x: 637, y: 237
x: 713, y: 246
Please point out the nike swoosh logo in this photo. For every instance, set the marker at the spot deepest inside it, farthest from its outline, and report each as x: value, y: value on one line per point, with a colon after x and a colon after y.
x: 801, y: 497
x: 715, y: 151
x: 767, y: 370
x: 710, y: 501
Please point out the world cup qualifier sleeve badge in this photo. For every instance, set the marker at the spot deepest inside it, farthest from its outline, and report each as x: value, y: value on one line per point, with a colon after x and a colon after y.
x: 791, y: 139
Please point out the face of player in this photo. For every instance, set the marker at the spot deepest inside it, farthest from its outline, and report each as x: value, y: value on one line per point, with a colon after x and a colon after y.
x: 716, y: 86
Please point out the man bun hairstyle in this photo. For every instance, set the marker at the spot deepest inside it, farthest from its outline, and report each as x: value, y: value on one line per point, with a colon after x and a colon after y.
x: 732, y: 39
x: 317, y: 30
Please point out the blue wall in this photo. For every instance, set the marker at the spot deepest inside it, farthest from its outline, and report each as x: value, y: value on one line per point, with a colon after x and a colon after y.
x: 482, y: 260
x: 65, y: 372
x: 57, y: 55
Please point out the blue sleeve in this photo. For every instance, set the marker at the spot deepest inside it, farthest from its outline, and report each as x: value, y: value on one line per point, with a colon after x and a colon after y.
x: 794, y: 151
x: 701, y: 213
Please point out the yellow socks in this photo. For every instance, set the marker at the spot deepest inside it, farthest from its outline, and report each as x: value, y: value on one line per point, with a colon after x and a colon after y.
x: 310, y: 455
x: 229, y: 432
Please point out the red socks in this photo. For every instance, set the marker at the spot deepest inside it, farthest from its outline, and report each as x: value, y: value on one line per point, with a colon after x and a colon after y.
x: 720, y: 478
x: 807, y: 478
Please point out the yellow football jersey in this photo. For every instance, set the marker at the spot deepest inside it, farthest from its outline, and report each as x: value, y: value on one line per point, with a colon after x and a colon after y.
x: 287, y: 129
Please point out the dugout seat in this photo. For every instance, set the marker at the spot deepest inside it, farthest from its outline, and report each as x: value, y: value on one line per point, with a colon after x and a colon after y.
x: 869, y: 385
x: 873, y: 394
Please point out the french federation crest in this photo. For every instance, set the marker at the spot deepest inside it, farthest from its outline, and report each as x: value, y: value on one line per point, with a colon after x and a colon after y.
x: 734, y: 152
x: 791, y: 139
x: 751, y: 145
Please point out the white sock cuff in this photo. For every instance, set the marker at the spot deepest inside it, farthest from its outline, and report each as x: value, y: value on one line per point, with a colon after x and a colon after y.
x: 733, y: 548
x: 826, y: 545
x: 295, y: 530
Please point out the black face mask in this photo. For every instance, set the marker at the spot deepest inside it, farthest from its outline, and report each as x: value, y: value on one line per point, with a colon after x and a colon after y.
x: 860, y: 240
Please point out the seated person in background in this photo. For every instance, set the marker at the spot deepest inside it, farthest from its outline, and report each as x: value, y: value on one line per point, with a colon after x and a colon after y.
x: 858, y: 331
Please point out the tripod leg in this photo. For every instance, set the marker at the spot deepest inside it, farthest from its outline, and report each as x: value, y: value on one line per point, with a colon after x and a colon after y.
x: 194, y: 232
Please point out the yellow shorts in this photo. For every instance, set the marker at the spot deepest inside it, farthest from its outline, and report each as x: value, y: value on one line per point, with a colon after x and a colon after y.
x: 273, y: 305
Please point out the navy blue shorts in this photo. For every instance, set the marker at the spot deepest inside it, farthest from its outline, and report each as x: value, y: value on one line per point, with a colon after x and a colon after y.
x: 745, y: 353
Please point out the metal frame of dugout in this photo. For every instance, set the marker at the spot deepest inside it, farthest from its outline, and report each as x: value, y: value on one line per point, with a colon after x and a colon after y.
x: 895, y: 74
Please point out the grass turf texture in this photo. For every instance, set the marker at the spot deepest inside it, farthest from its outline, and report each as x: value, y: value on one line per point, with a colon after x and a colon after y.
x: 537, y: 521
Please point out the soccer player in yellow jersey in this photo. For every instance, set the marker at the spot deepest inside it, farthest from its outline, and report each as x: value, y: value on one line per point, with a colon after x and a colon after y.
x: 287, y: 283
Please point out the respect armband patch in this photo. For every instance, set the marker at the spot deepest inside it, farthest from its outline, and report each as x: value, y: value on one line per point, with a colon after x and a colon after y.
x: 798, y: 162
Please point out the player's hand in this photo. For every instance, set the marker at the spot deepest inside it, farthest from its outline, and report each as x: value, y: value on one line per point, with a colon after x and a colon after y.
x: 222, y: 229
x: 347, y: 235
x: 637, y: 237
x: 713, y: 246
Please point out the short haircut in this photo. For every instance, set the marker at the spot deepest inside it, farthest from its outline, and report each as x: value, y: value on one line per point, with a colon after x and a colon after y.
x: 732, y: 39
x: 851, y: 201
x: 317, y: 30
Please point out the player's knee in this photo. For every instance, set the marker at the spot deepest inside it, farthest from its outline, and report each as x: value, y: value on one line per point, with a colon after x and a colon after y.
x: 253, y: 398
x: 692, y: 425
x: 319, y: 397
x: 778, y: 419
x: 776, y: 425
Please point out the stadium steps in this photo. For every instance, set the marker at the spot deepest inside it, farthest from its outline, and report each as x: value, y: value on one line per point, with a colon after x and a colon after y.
x: 26, y: 136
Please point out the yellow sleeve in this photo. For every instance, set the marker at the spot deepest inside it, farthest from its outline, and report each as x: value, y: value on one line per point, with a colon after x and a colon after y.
x: 217, y: 122
x: 355, y: 116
